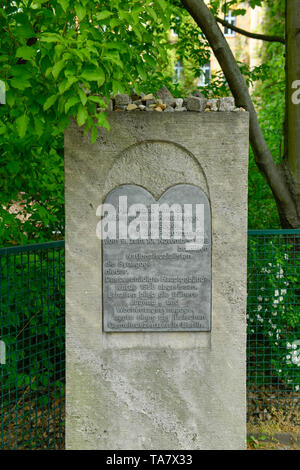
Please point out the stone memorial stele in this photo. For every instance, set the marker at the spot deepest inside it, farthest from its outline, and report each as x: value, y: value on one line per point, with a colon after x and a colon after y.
x: 156, y: 249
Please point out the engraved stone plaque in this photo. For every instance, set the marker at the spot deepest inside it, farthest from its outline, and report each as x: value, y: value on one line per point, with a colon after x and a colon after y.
x: 156, y: 258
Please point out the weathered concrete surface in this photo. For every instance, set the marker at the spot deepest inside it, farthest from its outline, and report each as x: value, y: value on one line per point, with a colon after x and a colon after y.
x: 171, y: 390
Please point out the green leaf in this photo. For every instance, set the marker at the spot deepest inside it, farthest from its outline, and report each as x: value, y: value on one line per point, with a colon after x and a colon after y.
x: 94, y: 75
x: 57, y: 68
x: 38, y: 126
x: 19, y: 83
x: 94, y: 134
x: 66, y: 84
x: 114, y: 45
x: 2, y: 128
x: 163, y: 5
x: 142, y: 72
x: 82, y: 115
x: 82, y: 96
x: 25, y: 52
x: 102, y: 15
x: 117, y: 86
x: 114, y: 22
x: 152, y: 13
x: 113, y: 56
x: 123, y: 15
x: 151, y: 62
x: 96, y: 99
x: 137, y: 32
x: 239, y: 11
x: 64, y: 4
x: 102, y: 120
x: 50, y: 37
x: 10, y: 97
x: 49, y: 102
x: 71, y: 102
x: 89, y: 123
x: 22, y: 124
x: 80, y: 11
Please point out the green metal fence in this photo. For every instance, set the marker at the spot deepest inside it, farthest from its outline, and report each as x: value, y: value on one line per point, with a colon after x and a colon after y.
x: 32, y: 329
x: 273, y: 324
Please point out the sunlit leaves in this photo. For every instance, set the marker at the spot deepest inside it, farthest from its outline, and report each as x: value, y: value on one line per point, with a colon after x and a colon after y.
x: 50, y: 102
x: 25, y: 52
x: 93, y: 74
x: 64, y: 4
x: 50, y: 37
x: 103, y: 15
x: 71, y: 102
x: 102, y: 120
x: 80, y: 11
x: 94, y: 134
x: 82, y: 96
x: 82, y: 115
x: 58, y: 66
x: 66, y: 84
x: 97, y: 99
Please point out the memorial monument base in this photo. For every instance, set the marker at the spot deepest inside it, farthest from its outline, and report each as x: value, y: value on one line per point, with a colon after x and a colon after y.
x: 157, y: 389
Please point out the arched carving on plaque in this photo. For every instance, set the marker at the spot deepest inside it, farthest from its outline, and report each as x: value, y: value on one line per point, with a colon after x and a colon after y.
x: 156, y: 166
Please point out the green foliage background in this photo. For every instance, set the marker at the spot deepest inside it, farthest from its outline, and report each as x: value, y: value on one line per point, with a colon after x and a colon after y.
x: 47, y: 64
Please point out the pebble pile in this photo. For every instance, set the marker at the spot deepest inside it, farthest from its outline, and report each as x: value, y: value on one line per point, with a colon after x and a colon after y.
x: 164, y: 101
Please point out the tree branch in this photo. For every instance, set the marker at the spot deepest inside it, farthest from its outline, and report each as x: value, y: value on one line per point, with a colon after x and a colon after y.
x: 263, y: 37
x: 263, y: 157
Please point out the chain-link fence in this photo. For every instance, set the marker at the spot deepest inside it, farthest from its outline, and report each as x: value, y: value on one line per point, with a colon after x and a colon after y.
x: 273, y: 319
x: 32, y: 340
x: 32, y: 337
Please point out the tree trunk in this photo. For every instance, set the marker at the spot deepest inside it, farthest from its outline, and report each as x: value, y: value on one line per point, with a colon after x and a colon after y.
x: 281, y: 184
x: 291, y: 162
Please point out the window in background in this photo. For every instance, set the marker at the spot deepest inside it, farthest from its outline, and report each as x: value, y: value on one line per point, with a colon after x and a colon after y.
x: 204, y: 79
x: 178, y: 68
x: 230, y: 18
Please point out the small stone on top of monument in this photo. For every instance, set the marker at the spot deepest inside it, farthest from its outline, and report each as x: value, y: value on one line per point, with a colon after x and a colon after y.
x: 178, y: 102
x: 164, y: 100
x: 164, y: 93
x: 148, y: 97
x: 226, y: 104
x: 196, y: 104
x: 214, y: 104
x: 149, y: 102
x: 198, y: 94
x: 131, y: 107
x: 166, y: 96
x: 122, y: 99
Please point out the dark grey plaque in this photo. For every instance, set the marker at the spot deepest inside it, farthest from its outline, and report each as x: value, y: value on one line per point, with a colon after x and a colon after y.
x: 162, y: 283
